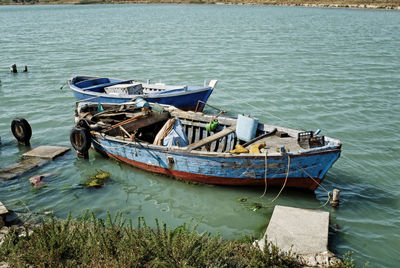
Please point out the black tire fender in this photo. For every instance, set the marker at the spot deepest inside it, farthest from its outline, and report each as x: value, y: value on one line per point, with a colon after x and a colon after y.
x: 80, y: 139
x: 21, y: 130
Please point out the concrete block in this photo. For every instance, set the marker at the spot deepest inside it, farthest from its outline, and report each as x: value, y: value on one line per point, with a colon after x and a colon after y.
x: 46, y: 152
x: 32, y: 159
x: 302, y: 231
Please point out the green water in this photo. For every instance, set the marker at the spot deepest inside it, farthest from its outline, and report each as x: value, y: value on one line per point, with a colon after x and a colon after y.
x: 337, y: 70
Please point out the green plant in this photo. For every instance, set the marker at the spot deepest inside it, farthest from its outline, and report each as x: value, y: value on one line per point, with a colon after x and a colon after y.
x: 116, y: 242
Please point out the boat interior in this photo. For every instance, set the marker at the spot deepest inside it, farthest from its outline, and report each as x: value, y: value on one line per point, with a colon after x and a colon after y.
x: 116, y: 86
x: 143, y: 125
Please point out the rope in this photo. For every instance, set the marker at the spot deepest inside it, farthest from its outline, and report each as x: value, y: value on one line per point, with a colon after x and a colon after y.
x: 327, y: 201
x: 329, y: 193
x: 284, y: 184
x: 312, y: 178
x: 265, y: 174
x: 287, y: 175
x: 110, y: 147
x: 261, y: 110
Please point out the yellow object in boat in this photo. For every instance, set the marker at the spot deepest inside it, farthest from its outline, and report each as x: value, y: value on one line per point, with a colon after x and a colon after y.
x: 239, y: 149
x: 255, y: 149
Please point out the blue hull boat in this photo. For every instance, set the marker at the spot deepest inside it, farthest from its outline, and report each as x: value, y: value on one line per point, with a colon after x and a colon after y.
x: 204, y: 148
x: 111, y: 90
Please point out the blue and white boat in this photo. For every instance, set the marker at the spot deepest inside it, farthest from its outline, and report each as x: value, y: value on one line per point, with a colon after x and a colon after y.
x: 112, y: 90
x: 205, y: 148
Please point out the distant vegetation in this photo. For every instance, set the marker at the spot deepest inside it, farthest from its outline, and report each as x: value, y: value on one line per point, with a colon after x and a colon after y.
x: 390, y: 4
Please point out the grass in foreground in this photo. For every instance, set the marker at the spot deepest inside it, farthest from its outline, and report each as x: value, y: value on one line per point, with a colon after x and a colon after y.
x: 91, y: 242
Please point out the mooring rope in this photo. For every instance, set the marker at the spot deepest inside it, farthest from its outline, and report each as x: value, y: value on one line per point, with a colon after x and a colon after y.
x: 287, y: 175
x: 265, y: 174
x: 110, y: 147
x: 329, y: 193
x: 312, y: 178
x: 284, y: 184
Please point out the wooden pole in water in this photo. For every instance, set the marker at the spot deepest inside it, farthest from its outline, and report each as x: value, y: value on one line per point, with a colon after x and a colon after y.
x: 335, y: 200
x: 13, y: 68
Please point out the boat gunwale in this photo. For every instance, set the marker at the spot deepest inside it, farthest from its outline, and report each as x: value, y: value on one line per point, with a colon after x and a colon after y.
x: 183, y: 151
x: 332, y: 144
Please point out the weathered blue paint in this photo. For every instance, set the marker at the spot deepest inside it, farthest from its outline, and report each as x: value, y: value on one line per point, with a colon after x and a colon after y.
x: 247, y: 169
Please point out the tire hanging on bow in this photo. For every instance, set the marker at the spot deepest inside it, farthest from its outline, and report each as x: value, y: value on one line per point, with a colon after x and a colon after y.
x: 80, y: 139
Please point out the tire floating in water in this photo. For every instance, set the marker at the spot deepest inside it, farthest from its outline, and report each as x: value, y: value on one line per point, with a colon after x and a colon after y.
x: 21, y: 130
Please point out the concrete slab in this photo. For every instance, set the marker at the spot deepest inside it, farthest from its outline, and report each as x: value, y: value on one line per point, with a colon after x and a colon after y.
x: 303, y: 231
x: 21, y: 167
x: 46, y: 152
x: 32, y: 159
x: 3, y: 209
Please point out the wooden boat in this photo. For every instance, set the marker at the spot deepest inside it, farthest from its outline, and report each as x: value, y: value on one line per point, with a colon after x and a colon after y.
x: 278, y: 156
x: 111, y: 90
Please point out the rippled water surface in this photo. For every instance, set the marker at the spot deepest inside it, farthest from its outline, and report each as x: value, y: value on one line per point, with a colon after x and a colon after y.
x: 333, y: 69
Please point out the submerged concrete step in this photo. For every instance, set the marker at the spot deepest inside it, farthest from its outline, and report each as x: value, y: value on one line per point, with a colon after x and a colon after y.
x: 303, y: 232
x: 32, y: 159
x: 46, y: 152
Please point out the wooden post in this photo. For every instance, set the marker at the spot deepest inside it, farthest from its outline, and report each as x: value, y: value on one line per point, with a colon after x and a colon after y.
x: 335, y: 200
x: 13, y: 68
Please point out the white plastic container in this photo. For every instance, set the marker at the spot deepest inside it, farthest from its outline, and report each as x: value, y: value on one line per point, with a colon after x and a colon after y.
x: 246, y: 127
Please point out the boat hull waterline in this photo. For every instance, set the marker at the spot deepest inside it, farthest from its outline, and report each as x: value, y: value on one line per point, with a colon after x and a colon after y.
x: 205, y: 148
x: 306, y: 171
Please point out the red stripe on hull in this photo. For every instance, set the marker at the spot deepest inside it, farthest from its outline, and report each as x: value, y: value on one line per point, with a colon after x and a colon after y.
x: 292, y: 182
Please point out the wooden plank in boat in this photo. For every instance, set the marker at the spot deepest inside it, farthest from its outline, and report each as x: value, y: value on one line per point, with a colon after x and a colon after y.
x: 213, y: 146
x: 222, y: 144
x: 212, y: 138
x: 204, y: 135
x: 139, y: 123
x: 190, y: 134
x: 259, y: 137
x: 202, y: 117
x: 193, y: 123
x: 197, y: 134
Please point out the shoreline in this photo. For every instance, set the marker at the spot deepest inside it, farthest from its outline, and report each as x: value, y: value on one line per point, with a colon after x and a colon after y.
x: 355, y: 4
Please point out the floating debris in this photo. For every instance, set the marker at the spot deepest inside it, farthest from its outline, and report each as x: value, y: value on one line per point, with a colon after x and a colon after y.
x: 242, y: 199
x: 37, y: 181
x: 98, y: 179
x: 255, y: 206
